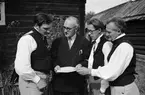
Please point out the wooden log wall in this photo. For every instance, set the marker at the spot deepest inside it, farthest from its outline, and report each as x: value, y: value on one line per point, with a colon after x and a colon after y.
x: 22, y: 12
x: 19, y: 20
x: 136, y: 30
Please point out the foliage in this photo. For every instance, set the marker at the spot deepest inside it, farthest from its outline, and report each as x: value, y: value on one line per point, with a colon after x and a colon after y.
x: 89, y: 15
x: 57, y: 29
x: 9, y: 88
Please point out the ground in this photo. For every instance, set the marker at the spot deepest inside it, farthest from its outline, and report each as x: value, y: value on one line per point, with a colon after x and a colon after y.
x: 141, y: 73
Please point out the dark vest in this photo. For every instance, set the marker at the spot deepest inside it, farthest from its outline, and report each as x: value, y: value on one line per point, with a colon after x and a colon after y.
x: 128, y: 75
x: 40, y: 59
x: 98, y: 54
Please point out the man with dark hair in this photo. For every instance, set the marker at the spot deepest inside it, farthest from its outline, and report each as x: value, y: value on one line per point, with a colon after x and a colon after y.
x: 98, y: 56
x: 32, y: 62
x: 121, y: 65
x: 69, y: 53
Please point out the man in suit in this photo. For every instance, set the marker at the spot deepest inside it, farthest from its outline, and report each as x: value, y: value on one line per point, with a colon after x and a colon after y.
x: 98, y: 56
x: 69, y: 53
x: 32, y: 62
x: 120, y: 70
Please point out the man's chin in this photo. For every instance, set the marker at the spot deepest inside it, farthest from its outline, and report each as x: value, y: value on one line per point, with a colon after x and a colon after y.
x: 108, y: 38
x: 67, y: 36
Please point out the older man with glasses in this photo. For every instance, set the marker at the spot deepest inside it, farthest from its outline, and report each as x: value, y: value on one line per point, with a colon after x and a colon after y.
x: 68, y: 53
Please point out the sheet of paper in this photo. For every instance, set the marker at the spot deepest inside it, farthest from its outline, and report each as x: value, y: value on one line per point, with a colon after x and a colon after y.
x: 66, y: 69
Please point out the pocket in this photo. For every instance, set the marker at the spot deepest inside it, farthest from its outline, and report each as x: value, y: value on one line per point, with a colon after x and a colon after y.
x: 31, y: 85
x: 122, y: 90
x: 118, y: 90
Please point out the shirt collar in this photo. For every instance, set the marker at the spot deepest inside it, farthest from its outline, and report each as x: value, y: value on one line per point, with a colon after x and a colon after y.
x: 98, y: 39
x: 35, y: 28
x: 120, y: 36
x: 43, y: 36
x: 73, y: 37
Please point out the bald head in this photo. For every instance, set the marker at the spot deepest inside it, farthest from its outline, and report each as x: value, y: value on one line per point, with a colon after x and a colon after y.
x: 71, y: 21
x: 70, y: 26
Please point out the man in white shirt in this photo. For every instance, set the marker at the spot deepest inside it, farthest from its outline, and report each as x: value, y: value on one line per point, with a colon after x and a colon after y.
x: 98, y: 56
x: 32, y: 62
x: 121, y: 65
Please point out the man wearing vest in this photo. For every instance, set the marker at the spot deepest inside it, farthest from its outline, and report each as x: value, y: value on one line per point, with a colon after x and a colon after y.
x: 120, y: 70
x: 98, y: 56
x: 68, y: 53
x: 32, y: 62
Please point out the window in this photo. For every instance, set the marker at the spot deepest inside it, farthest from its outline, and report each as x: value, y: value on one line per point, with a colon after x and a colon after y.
x: 2, y: 13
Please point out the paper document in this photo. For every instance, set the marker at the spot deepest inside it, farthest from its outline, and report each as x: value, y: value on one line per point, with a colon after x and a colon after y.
x: 66, y: 69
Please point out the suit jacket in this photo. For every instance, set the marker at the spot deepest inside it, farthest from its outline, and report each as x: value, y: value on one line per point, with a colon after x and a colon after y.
x: 63, y: 56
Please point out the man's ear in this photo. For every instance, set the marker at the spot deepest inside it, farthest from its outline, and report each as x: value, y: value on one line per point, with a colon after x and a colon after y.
x: 100, y: 30
x: 119, y: 31
x: 76, y: 29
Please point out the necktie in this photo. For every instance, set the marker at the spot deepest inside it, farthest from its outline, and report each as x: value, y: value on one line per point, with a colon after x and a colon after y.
x: 45, y: 41
x: 91, y: 57
x: 69, y: 42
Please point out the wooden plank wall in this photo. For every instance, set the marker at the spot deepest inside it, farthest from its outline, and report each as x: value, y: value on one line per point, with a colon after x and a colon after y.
x: 136, y: 30
x: 23, y: 11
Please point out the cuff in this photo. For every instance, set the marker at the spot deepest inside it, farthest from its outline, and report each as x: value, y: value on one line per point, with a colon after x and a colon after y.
x: 36, y: 79
x: 94, y: 72
x: 102, y: 90
x: 104, y: 86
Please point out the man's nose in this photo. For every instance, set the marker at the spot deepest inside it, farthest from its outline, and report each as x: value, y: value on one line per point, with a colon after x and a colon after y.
x: 106, y: 33
x: 48, y: 31
x: 65, y: 30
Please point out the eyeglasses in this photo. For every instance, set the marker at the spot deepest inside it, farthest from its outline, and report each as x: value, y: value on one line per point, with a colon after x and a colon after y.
x: 91, y: 31
x: 46, y: 29
x: 67, y: 28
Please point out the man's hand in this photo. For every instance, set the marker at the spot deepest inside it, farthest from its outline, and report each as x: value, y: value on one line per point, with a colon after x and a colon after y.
x: 100, y: 93
x: 56, y: 68
x: 84, y: 71
x: 78, y: 66
x: 42, y: 83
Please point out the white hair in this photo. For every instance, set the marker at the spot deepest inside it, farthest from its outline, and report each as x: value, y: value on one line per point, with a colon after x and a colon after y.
x: 73, y: 19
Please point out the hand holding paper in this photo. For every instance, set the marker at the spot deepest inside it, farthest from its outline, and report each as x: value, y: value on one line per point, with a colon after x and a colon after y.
x: 83, y: 71
x: 57, y: 68
x: 67, y: 69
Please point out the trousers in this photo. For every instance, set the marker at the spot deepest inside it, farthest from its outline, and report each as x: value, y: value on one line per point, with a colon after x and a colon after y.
x: 130, y: 89
x: 29, y: 87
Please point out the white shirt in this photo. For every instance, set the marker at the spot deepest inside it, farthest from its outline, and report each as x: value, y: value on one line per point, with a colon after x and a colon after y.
x: 106, y: 49
x: 72, y: 40
x: 117, y: 64
x: 26, y: 45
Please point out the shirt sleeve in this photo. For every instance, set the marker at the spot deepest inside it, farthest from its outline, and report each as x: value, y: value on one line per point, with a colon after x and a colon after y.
x: 106, y: 50
x: 26, y: 45
x: 118, y: 62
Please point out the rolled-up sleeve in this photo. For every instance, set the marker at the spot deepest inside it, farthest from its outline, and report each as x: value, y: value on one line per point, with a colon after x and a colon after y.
x: 26, y: 45
x: 118, y: 62
x: 106, y: 50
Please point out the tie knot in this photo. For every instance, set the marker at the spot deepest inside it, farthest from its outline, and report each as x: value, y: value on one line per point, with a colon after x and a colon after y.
x: 69, y: 38
x: 93, y: 42
x: 45, y: 40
